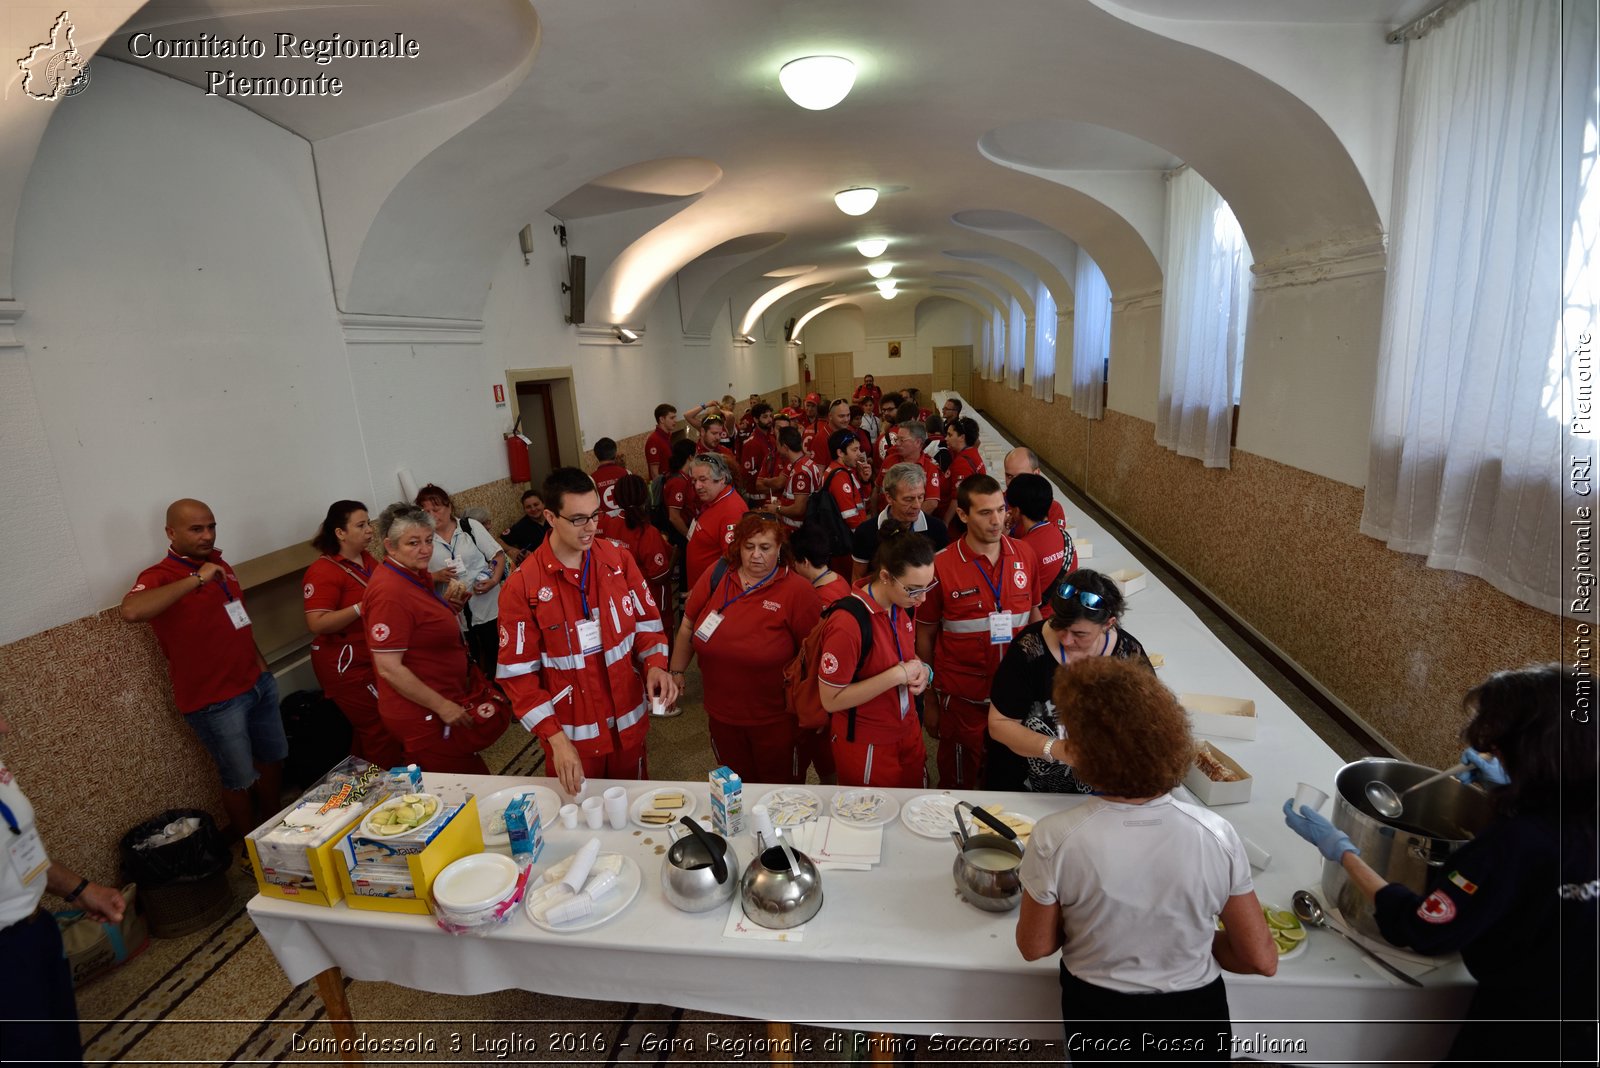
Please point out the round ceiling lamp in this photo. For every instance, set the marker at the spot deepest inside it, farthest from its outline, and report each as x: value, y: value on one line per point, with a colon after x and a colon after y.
x: 871, y: 247
x: 888, y: 294
x: 857, y: 200
x: 879, y: 270
x: 887, y: 285
x: 817, y: 83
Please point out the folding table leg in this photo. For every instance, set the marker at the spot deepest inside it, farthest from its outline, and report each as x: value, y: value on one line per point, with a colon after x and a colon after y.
x: 780, y: 1050
x: 330, y: 988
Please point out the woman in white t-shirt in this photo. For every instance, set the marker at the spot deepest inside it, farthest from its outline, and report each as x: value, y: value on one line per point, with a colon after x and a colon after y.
x: 1129, y: 885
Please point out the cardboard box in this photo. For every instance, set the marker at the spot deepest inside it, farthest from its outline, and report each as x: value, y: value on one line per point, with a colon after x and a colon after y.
x: 1220, y: 717
x: 461, y: 836
x: 1085, y: 549
x: 292, y: 871
x: 371, y: 853
x: 1128, y: 580
x: 1213, y: 793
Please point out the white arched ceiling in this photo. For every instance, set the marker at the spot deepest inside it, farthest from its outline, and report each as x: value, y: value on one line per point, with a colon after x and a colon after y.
x: 937, y: 297
x: 968, y: 297
x: 1022, y: 263
x: 994, y: 293
x: 999, y: 276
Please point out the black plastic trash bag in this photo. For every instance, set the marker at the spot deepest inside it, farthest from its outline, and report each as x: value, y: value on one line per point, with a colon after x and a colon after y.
x: 164, y: 850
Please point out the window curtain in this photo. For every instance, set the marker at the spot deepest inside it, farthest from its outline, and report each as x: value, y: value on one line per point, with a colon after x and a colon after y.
x: 1204, y: 304
x: 1016, y: 344
x: 994, y: 347
x: 1469, y: 424
x: 1044, y: 343
x: 1091, y: 338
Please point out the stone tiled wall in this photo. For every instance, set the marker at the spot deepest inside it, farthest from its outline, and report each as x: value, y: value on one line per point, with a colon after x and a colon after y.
x: 1395, y: 641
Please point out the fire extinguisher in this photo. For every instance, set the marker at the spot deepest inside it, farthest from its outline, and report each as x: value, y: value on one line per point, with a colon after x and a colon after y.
x: 517, y: 454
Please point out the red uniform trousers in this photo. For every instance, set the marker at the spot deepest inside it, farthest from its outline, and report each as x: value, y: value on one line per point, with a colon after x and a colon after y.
x: 758, y: 752
x: 899, y: 763
x: 963, y: 736
x: 813, y: 749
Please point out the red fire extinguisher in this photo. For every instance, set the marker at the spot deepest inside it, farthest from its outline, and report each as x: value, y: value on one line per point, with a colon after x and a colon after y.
x: 517, y: 455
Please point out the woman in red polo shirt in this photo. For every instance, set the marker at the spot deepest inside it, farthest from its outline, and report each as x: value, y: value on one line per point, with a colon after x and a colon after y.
x: 334, y: 585
x: 746, y: 618
x: 877, y: 738
x: 429, y: 696
x: 632, y: 529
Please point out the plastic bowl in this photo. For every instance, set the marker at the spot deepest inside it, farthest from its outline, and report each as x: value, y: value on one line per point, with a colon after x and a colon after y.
x: 474, y: 885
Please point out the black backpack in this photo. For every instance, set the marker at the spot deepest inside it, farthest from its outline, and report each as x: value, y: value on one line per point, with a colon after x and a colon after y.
x: 822, y: 512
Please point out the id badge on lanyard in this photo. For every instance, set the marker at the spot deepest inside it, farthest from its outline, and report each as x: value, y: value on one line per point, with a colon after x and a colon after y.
x: 589, y: 635
x: 237, y: 615
x: 999, y: 628
x: 28, y: 858
x: 709, y: 625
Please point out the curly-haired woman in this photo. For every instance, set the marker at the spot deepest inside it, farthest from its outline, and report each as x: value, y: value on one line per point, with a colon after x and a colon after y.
x: 1129, y: 885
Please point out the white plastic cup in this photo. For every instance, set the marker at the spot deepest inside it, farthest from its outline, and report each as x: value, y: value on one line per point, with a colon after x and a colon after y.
x: 594, y: 812
x: 569, y: 817
x: 1308, y: 796
x: 615, y: 801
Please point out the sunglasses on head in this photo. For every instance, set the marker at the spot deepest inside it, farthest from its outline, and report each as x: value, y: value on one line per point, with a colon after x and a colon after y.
x: 771, y: 517
x: 1092, y: 602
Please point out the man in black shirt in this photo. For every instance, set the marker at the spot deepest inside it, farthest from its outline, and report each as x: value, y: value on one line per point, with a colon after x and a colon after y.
x: 527, y: 533
x: 904, y: 486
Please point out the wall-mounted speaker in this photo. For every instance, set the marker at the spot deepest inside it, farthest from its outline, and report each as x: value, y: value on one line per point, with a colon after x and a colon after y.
x: 788, y: 329
x: 575, y: 289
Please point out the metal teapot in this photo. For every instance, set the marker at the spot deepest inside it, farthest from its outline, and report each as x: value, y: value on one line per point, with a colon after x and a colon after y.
x: 699, y: 871
x: 781, y: 888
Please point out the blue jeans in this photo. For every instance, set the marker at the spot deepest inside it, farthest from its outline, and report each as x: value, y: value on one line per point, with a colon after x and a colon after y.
x: 242, y: 732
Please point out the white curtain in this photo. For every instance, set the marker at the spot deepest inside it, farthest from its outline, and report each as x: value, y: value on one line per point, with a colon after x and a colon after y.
x: 1205, y: 301
x: 1044, y: 343
x: 1016, y: 344
x: 1091, y: 338
x: 1469, y: 424
x: 994, y: 347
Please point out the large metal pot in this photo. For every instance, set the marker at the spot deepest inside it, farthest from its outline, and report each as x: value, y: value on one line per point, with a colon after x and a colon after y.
x: 1438, y: 819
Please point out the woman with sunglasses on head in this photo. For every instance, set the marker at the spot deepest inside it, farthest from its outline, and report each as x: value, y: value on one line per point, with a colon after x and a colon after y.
x: 1025, y: 743
x: 871, y: 693
x: 1519, y: 900
x: 746, y: 617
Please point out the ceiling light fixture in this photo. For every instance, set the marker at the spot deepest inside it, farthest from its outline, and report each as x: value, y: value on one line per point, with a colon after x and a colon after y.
x: 888, y: 294
x: 744, y: 339
x: 857, y: 200
x: 879, y: 270
x: 626, y: 336
x: 887, y: 285
x: 872, y: 247
x: 817, y: 83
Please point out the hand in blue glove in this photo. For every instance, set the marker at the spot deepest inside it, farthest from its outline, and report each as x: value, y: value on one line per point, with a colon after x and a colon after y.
x: 1330, y: 841
x: 1484, y: 768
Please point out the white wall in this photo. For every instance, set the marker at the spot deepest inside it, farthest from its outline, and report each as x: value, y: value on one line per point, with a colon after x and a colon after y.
x: 180, y: 336
x: 919, y: 327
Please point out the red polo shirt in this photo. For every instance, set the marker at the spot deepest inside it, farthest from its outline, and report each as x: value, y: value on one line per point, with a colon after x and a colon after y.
x: 964, y: 659
x: 963, y: 466
x: 756, y: 459
x: 1050, y: 546
x: 207, y: 659
x: 804, y: 477
x: 892, y: 715
x: 847, y: 493
x: 657, y: 450
x: 402, y: 614
x: 761, y: 630
x: 678, y: 492
x: 606, y: 477
x: 712, y: 532
x: 333, y: 583
x: 644, y: 543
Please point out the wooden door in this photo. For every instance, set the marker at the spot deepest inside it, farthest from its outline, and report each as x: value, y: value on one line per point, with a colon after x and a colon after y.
x: 943, y: 369
x: 835, y: 374
x: 961, y: 369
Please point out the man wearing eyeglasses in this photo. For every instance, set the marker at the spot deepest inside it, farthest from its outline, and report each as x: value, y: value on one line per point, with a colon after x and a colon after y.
x: 721, y: 508
x: 987, y: 590
x: 583, y: 652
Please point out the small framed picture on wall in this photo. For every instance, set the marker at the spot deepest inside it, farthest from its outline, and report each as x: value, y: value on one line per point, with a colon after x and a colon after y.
x: 894, y: 350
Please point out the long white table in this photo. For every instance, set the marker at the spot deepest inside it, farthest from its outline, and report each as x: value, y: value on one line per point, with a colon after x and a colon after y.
x: 894, y: 949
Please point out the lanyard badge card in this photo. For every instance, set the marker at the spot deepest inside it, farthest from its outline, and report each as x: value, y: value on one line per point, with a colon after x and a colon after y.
x: 589, y: 635
x: 999, y: 628
x: 709, y: 625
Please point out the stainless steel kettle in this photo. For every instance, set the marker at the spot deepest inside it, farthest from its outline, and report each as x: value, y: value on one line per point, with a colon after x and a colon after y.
x: 781, y: 888
x: 699, y: 871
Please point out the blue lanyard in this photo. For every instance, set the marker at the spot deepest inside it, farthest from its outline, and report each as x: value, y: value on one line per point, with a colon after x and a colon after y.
x: 583, y: 584
x: 894, y: 630
x: 1000, y: 566
x: 363, y: 574
x: 450, y: 546
x: 742, y: 593
x: 10, y: 818
x: 825, y: 573
x: 195, y: 571
x: 1062, y: 656
x: 409, y: 577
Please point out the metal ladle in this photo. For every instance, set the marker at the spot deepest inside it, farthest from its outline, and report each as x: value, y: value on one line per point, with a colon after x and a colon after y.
x: 1387, y: 803
x: 1309, y: 909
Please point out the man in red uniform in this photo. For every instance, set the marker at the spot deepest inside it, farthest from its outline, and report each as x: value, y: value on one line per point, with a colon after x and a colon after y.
x: 801, y: 478
x: 756, y: 455
x: 913, y: 398
x: 838, y: 419
x: 868, y: 388
x: 988, y: 585
x: 1028, y: 498
x: 1024, y: 461
x: 711, y: 440
x: 658, y: 446
x: 721, y: 508
x: 962, y: 438
x: 220, y: 682
x: 909, y: 445
x: 607, y: 473
x: 848, y: 476
x: 582, y: 649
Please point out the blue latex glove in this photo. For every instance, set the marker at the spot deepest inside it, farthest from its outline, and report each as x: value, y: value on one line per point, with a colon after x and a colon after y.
x: 1484, y: 768
x: 1330, y: 841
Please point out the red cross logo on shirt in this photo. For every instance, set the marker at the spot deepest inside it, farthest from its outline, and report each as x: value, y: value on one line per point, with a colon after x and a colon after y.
x: 380, y: 632
x: 1019, y: 579
x: 1437, y: 908
x: 309, y: 590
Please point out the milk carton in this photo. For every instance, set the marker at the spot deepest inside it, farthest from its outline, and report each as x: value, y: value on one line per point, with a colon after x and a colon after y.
x: 727, y: 802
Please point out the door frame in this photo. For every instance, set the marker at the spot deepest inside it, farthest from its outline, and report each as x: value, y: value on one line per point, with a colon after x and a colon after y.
x: 564, y: 400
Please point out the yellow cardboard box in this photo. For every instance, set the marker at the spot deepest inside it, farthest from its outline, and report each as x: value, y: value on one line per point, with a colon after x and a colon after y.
x: 324, y: 862
x: 461, y: 837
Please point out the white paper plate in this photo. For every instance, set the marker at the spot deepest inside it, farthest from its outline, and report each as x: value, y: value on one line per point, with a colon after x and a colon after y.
x: 930, y: 815
x: 492, y: 809
x: 790, y: 806
x: 977, y: 826
x: 494, y: 875
x: 646, y: 801
x: 628, y: 882
x: 393, y: 802
x: 864, y: 806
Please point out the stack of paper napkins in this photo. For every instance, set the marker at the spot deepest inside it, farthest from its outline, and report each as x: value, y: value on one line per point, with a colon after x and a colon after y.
x: 834, y: 845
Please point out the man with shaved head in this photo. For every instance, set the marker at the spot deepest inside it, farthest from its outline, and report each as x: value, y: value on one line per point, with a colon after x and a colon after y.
x: 220, y: 682
x: 1024, y: 461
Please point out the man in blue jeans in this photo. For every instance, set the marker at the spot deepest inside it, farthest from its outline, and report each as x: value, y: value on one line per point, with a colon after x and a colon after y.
x: 220, y: 682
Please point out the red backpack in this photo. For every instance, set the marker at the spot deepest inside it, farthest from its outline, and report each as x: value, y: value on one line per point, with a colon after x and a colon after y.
x: 801, y: 698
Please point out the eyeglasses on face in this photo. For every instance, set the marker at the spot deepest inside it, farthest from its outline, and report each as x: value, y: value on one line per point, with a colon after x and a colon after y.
x: 583, y: 520
x: 915, y: 591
